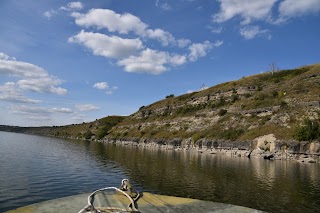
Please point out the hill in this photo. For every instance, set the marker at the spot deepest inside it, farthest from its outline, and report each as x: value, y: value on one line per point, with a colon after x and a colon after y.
x: 91, y: 130
x: 283, y: 103
x: 278, y: 103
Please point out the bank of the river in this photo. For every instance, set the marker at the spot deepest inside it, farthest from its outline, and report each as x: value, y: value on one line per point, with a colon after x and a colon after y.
x: 266, y: 147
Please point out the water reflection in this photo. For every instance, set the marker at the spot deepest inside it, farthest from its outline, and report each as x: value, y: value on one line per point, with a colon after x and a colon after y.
x: 45, y: 168
x: 274, y: 186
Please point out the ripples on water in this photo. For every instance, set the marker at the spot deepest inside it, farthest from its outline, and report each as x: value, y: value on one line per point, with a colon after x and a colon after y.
x: 35, y: 169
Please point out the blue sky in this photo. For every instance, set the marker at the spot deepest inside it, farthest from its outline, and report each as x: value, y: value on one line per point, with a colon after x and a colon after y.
x: 64, y: 62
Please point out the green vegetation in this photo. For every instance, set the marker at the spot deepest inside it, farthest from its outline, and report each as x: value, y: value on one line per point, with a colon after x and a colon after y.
x: 87, y: 135
x: 280, y: 76
x: 310, y: 130
x: 269, y: 103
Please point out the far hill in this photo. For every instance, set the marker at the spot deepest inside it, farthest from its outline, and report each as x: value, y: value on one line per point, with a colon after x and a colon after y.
x: 91, y: 130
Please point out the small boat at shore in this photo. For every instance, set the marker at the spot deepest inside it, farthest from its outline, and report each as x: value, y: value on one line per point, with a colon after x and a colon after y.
x: 127, y: 199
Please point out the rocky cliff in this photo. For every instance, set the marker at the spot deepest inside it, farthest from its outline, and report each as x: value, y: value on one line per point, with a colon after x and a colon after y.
x: 234, y: 115
x: 273, y: 112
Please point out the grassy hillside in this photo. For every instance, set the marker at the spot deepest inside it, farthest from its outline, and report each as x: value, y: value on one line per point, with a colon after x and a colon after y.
x: 267, y: 103
x: 284, y: 103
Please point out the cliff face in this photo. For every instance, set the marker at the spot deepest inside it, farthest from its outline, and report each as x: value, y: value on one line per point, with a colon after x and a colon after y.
x: 276, y: 112
x: 270, y: 103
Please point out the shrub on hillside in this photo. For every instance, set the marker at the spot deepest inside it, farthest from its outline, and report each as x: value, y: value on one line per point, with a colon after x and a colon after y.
x: 87, y: 135
x: 310, y: 130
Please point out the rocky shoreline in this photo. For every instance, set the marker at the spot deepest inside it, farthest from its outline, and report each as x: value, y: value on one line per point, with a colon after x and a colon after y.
x: 266, y: 147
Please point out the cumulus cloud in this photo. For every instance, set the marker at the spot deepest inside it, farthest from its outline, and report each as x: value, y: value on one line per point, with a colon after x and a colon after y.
x: 131, y: 53
x: 73, y: 6
x: 34, y: 78
x: 4, y: 56
x: 107, y: 46
x: 199, y: 50
x: 291, y: 8
x: 250, y: 32
x: 42, y: 85
x: 10, y: 93
x: 261, y: 10
x: 148, y: 61
x: 164, y: 37
x: 110, y: 20
x: 21, y: 69
x: 183, y: 42
x: 101, y: 85
x: 50, y: 13
x: 248, y: 10
x: 122, y: 24
x: 86, y: 107
x: 105, y: 87
x: 151, y: 61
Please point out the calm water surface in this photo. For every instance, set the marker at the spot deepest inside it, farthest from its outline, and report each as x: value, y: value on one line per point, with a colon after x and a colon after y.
x: 34, y: 169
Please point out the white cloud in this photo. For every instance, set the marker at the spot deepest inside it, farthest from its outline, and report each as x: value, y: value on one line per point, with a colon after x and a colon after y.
x: 34, y: 78
x: 216, y: 30
x: 151, y: 61
x: 113, y: 22
x: 73, y: 6
x: 50, y: 13
x: 250, y: 32
x: 101, y: 85
x: 107, y: 46
x: 248, y: 10
x: 291, y: 8
x: 198, y: 50
x: 183, y: 42
x: 30, y: 110
x: 164, y: 6
x: 176, y: 60
x: 10, y: 93
x: 121, y: 23
x: 86, y: 107
x: 4, y: 56
x: 105, y: 86
x: 76, y: 5
x: 35, y: 113
x: 21, y: 69
x: 217, y: 43
x: 164, y: 37
x: 131, y: 53
x: 42, y: 85
x: 62, y: 110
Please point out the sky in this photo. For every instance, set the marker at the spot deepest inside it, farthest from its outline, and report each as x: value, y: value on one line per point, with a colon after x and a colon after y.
x: 66, y: 62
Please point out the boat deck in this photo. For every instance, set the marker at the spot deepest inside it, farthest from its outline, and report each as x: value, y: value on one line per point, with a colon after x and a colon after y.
x: 148, y: 203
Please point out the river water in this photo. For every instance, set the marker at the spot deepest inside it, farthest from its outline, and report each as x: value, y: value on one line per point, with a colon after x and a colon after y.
x: 35, y: 168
